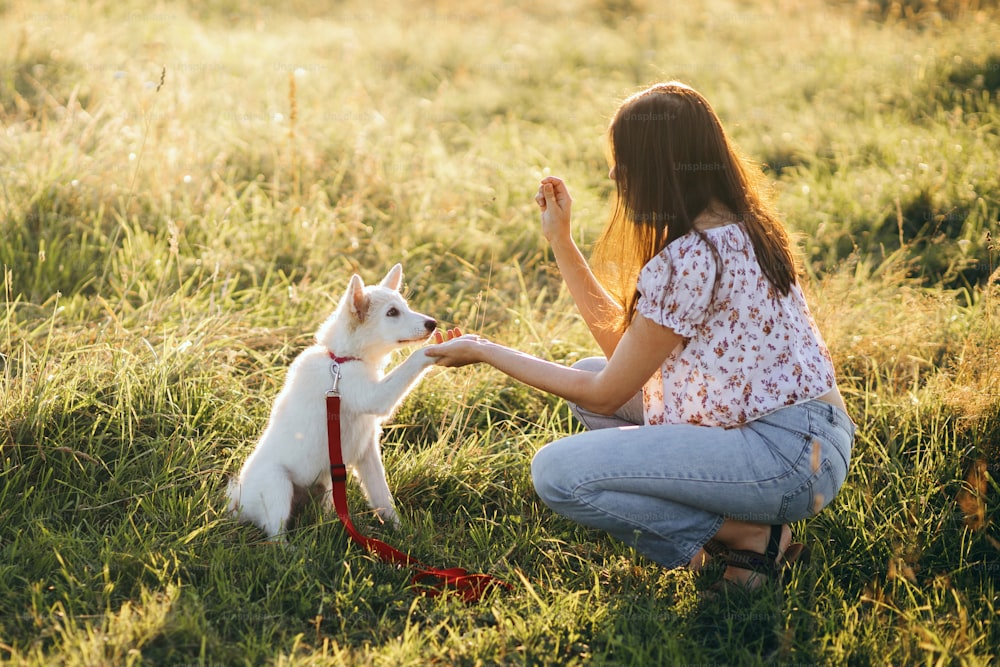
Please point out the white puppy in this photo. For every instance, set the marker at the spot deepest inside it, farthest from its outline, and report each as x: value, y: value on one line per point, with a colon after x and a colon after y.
x: 292, y: 457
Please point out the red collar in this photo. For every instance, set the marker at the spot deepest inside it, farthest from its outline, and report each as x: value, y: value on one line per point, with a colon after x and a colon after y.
x: 341, y: 360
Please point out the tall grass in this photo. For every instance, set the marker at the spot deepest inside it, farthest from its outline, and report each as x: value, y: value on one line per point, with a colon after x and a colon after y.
x: 187, y: 189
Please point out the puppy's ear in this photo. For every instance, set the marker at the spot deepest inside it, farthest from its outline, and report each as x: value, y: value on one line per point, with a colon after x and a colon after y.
x: 394, y: 278
x: 356, y: 299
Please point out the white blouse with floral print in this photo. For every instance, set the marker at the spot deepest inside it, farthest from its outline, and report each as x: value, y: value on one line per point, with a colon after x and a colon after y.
x: 747, y: 350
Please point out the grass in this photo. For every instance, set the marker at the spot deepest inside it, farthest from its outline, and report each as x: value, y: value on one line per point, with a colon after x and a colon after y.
x: 186, y: 190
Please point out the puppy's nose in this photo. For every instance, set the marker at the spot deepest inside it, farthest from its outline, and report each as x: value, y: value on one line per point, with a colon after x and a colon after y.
x: 430, y: 325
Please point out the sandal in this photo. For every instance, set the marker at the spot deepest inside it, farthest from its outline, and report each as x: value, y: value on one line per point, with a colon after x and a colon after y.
x: 767, y: 564
x: 714, y: 548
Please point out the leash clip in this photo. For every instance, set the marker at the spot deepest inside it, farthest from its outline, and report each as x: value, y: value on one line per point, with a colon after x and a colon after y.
x: 335, y: 372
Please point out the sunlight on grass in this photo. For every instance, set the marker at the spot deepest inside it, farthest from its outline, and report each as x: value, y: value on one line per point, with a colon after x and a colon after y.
x: 187, y: 189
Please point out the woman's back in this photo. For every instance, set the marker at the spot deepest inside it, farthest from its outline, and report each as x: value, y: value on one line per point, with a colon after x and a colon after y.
x: 748, y: 351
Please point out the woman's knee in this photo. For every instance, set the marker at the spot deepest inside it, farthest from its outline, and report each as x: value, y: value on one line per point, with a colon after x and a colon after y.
x: 547, y: 467
x: 592, y: 364
x: 629, y: 414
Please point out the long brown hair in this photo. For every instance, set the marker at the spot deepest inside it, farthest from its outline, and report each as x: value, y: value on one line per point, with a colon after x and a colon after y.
x: 672, y: 160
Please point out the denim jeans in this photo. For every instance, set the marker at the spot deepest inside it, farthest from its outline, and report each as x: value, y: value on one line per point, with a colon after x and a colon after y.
x: 666, y: 490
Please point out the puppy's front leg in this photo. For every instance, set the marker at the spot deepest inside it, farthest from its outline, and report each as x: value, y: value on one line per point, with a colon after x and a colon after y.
x: 371, y: 474
x: 394, y: 386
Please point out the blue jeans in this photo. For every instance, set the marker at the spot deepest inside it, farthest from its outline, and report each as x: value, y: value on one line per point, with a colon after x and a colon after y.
x: 666, y: 490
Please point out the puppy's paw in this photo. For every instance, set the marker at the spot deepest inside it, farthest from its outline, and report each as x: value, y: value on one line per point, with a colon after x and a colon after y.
x: 388, y: 514
x: 424, y: 359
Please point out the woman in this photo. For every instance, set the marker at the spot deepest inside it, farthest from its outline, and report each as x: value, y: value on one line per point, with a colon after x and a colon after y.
x: 709, y: 346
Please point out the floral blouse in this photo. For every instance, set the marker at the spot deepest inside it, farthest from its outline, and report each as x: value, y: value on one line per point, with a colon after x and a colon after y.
x: 747, y: 350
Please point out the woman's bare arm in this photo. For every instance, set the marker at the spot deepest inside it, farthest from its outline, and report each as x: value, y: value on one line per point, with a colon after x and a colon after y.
x: 596, y: 305
x: 638, y: 355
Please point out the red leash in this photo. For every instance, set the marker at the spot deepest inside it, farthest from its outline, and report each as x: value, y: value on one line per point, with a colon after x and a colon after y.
x: 430, y: 581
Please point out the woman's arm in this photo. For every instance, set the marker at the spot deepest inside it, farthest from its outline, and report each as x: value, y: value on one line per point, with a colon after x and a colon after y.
x: 640, y: 352
x: 596, y: 306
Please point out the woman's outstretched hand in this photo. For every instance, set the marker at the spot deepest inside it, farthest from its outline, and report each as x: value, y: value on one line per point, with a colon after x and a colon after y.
x: 446, y: 335
x: 554, y: 200
x: 452, y: 349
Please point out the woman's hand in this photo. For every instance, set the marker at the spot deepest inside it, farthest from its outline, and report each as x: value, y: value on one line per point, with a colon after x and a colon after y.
x: 453, y: 349
x: 446, y: 335
x: 554, y: 200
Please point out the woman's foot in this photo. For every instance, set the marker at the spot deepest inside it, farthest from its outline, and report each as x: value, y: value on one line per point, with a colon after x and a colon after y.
x: 699, y: 561
x: 755, y: 553
x: 755, y: 540
x: 713, y: 549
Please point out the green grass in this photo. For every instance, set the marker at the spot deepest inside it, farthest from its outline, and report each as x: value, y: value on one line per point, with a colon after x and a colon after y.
x: 186, y: 191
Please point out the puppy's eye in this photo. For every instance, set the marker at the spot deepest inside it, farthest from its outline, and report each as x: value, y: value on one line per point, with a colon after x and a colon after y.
x: 392, y: 312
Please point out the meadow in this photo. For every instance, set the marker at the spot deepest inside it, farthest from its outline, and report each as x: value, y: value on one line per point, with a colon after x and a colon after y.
x: 187, y: 188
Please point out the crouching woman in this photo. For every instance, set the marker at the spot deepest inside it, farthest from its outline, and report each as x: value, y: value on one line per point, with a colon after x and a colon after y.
x: 714, y: 418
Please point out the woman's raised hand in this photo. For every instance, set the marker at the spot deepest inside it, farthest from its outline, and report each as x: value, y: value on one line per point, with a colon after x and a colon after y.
x: 554, y: 200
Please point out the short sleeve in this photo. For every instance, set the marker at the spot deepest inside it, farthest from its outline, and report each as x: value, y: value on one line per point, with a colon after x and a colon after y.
x: 675, y: 287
